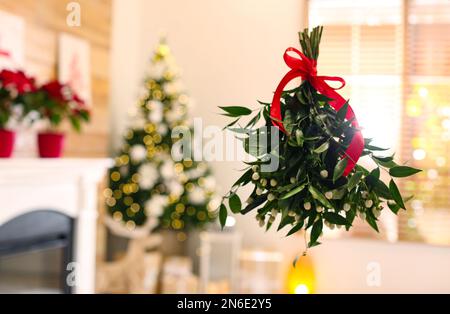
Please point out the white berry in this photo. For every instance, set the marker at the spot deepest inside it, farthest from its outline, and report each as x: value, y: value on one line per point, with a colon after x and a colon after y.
x: 329, y: 195
x: 259, y: 191
x: 270, y: 197
x: 263, y: 182
x: 255, y: 168
x: 347, y: 207
x: 324, y: 174
x: 319, y: 209
x: 307, y: 205
x: 255, y: 176
x: 273, y: 182
x: 376, y: 213
x: 368, y: 203
x: 293, y: 180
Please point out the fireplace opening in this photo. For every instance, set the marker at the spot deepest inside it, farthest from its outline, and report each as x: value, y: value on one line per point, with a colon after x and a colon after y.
x: 35, y: 251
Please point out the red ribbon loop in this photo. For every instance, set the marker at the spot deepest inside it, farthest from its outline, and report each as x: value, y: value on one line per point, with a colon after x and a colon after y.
x: 305, y: 68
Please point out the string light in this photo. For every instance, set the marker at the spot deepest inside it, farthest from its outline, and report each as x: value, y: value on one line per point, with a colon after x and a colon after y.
x: 124, y: 159
x: 190, y: 186
x: 111, y: 202
x: 130, y: 224
x: 179, y: 168
x: 128, y: 200
x: 191, y: 211
x: 135, y: 178
x: 201, y: 216
x: 149, y: 128
x: 129, y: 135
x: 148, y: 140
x: 107, y: 193
x: 157, y: 94
x: 181, y: 236
x: 135, y: 207
x: 117, y: 216
x: 177, y: 224
x: 115, y: 176
x: 180, y: 208
x: 157, y: 138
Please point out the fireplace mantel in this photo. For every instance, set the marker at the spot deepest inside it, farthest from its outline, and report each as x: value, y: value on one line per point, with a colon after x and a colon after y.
x: 69, y: 186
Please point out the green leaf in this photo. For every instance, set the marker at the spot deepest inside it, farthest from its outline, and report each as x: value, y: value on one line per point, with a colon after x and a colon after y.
x: 372, y: 222
x: 403, y: 171
x: 256, y: 202
x: 263, y: 103
x: 319, y: 196
x: 396, y: 194
x: 393, y: 207
x: 342, y: 112
x: 223, y: 214
x: 288, y: 121
x: 382, y: 190
x: 293, y: 191
x: 315, y: 232
x: 373, y: 177
x: 321, y: 97
x: 350, y: 216
x: 235, y: 204
x: 322, y: 148
x: 231, y: 124
x: 339, y: 169
x: 354, y: 180
x: 294, y: 262
x: 296, y: 228
x: 285, y: 220
x: 375, y: 148
x: 245, y: 178
x: 387, y: 162
x: 236, y: 111
x: 335, y: 218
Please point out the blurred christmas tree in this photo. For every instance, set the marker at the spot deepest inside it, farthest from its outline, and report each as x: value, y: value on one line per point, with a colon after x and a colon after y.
x: 147, y: 189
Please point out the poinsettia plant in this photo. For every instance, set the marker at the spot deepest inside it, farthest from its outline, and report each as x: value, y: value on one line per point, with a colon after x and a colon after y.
x: 318, y: 180
x: 56, y: 102
x: 14, y: 86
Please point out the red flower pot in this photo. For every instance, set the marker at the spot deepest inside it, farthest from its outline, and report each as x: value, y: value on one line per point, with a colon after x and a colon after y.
x: 6, y: 143
x: 50, y: 144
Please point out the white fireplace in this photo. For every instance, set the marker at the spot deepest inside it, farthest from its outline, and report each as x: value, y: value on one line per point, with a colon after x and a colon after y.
x: 66, y: 186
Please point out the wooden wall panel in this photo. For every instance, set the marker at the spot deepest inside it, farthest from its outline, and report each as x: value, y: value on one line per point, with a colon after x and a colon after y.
x: 45, y: 20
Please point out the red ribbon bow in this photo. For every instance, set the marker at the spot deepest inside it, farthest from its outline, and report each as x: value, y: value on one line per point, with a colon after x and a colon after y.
x: 306, y: 69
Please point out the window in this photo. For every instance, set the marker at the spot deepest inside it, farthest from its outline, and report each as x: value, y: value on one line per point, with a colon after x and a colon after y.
x: 395, y: 57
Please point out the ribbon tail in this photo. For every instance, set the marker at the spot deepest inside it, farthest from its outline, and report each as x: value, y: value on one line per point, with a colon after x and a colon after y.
x: 356, y: 146
x: 354, y: 151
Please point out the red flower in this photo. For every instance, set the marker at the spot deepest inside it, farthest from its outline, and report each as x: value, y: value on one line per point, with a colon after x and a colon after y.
x: 55, y: 90
x: 17, y: 81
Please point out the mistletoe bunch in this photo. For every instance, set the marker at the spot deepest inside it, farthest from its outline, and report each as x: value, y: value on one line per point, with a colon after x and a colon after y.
x: 312, y: 186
